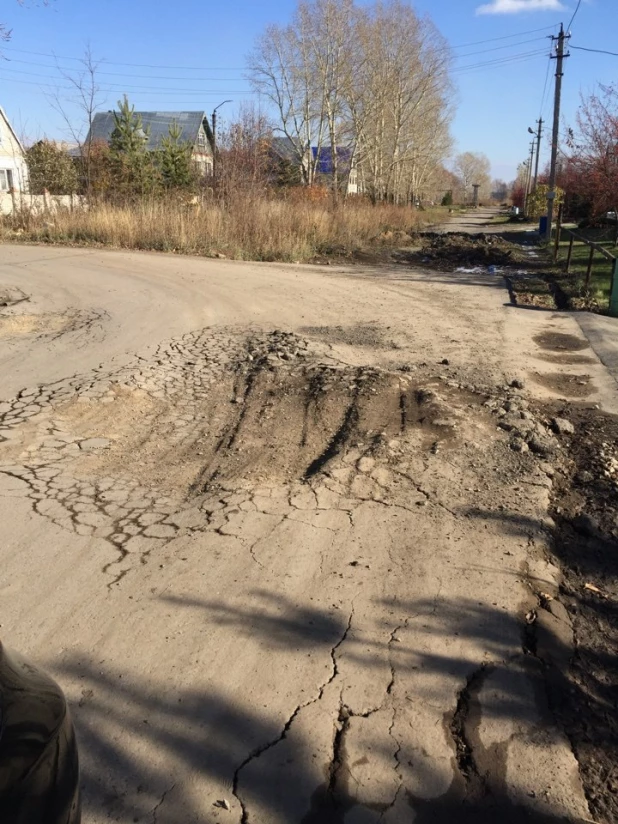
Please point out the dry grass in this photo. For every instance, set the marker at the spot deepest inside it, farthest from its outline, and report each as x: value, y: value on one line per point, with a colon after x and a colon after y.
x: 247, y: 228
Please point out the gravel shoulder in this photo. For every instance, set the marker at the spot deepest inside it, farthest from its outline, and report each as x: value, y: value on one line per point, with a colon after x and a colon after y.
x: 290, y: 537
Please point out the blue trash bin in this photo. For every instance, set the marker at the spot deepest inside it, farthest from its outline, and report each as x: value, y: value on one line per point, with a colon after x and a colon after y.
x: 543, y: 225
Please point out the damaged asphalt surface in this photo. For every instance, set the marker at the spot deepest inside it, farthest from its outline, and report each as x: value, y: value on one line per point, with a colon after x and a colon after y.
x: 288, y: 539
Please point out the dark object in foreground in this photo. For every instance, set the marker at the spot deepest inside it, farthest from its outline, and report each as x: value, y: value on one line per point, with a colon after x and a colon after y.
x: 39, y: 772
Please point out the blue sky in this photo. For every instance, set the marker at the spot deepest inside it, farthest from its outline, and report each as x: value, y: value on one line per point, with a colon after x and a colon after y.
x: 207, y: 44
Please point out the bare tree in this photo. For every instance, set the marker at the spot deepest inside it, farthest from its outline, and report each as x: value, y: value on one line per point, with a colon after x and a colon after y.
x: 87, y: 97
x: 301, y: 69
x: 368, y: 84
x: 403, y: 99
x: 245, y: 163
x: 473, y: 168
x: 281, y: 72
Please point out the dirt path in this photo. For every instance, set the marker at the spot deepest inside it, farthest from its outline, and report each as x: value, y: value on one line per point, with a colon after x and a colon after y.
x: 484, y: 219
x: 282, y: 535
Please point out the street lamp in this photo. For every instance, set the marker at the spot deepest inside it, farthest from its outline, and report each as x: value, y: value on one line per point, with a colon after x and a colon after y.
x: 214, y: 142
x: 537, y: 133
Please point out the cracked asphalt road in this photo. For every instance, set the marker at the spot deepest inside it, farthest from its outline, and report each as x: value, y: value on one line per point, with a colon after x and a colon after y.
x: 277, y: 531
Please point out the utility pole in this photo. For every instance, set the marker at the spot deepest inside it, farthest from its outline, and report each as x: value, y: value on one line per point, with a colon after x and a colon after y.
x: 214, y: 142
x: 538, y: 152
x: 551, y: 195
x: 529, y: 177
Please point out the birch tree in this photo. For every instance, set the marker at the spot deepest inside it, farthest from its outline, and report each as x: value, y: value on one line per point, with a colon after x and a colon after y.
x: 472, y: 168
x: 369, y: 84
x: 301, y: 70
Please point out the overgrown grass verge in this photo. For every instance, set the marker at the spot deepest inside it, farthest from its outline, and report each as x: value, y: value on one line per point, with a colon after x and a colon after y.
x: 546, y: 284
x: 594, y: 296
x: 247, y: 228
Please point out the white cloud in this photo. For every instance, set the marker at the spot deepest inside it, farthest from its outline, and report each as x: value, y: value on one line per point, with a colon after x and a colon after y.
x: 518, y: 6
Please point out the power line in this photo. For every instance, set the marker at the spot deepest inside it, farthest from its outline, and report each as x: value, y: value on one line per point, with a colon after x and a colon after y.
x: 506, y: 37
x: 118, y: 86
x: 597, y: 51
x: 543, y: 96
x: 103, y: 73
x: 134, y: 90
x: 502, y: 61
x: 240, y: 68
x: 98, y: 72
x: 115, y: 88
x: 133, y: 65
x: 579, y: 2
x: 498, y: 48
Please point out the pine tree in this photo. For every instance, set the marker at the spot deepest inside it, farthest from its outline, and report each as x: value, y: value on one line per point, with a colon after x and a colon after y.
x: 132, y: 163
x: 175, y: 163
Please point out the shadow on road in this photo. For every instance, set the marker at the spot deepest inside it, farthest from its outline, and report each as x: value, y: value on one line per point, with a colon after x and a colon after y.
x: 135, y: 737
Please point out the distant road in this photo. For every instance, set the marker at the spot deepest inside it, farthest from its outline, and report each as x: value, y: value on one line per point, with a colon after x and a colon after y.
x: 478, y: 220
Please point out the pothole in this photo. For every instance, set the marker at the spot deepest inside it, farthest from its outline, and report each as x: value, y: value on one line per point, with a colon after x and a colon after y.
x: 50, y: 325
x: 572, y: 386
x: 567, y: 360
x: 12, y: 295
x: 560, y: 342
x: 366, y: 335
x: 217, y: 424
x: 18, y: 325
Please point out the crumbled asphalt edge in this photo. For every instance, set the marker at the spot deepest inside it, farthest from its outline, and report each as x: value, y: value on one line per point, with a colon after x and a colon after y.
x: 584, y: 509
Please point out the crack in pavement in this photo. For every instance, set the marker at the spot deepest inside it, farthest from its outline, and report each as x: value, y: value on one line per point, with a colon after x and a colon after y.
x: 398, y: 769
x: 255, y: 754
x: 161, y: 800
x: 476, y: 784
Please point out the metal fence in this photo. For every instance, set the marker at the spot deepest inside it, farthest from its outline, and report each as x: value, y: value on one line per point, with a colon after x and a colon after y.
x: 596, y: 250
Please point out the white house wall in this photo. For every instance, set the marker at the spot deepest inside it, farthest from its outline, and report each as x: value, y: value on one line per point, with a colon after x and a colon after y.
x: 12, y: 156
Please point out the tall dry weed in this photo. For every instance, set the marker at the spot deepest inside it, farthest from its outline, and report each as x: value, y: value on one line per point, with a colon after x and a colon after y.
x: 245, y: 227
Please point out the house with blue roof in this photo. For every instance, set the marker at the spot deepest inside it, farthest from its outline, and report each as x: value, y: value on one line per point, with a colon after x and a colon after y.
x: 346, y: 167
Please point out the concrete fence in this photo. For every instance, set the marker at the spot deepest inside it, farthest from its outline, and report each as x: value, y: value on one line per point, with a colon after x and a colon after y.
x: 11, y: 202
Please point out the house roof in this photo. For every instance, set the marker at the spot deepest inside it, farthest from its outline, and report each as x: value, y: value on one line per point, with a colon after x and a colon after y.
x: 324, y: 157
x: 286, y: 149
x: 11, y: 129
x: 155, y: 124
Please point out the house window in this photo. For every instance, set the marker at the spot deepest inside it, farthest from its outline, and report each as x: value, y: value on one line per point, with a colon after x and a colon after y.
x: 201, y: 140
x: 6, y: 180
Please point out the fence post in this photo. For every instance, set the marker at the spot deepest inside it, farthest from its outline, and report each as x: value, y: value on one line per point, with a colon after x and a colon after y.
x: 589, y: 269
x: 570, y: 254
x: 613, y: 295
